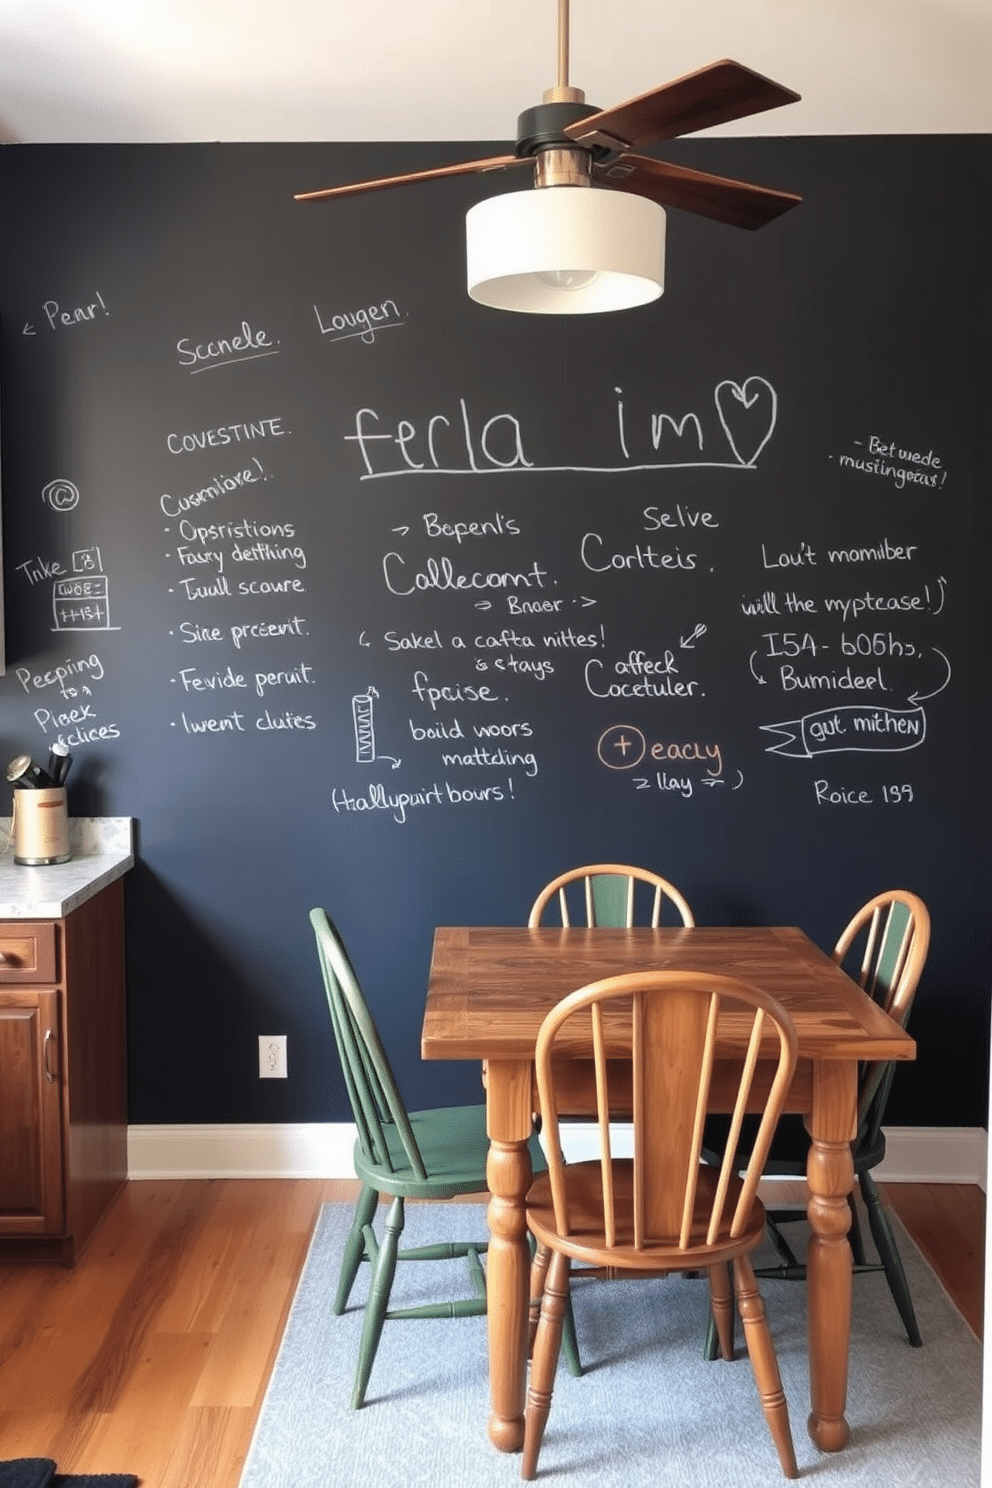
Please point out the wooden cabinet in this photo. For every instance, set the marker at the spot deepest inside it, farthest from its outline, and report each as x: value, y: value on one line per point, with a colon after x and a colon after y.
x: 63, y: 1076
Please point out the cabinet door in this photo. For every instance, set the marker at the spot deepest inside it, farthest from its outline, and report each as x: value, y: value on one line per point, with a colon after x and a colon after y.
x: 31, y: 1175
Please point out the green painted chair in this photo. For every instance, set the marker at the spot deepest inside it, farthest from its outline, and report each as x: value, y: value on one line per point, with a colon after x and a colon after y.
x: 884, y: 949
x: 607, y: 894
x: 406, y: 1154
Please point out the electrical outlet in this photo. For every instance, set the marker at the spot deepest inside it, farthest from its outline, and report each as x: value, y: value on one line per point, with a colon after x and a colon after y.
x: 272, y: 1056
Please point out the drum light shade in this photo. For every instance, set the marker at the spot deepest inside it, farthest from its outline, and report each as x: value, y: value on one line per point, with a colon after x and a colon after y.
x: 565, y: 250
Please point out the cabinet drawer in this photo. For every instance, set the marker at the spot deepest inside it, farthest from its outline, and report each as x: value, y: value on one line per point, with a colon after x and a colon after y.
x: 27, y: 951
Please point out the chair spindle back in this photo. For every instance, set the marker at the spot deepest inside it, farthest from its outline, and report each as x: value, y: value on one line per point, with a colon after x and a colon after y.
x: 887, y: 940
x: 372, y: 1090
x: 606, y: 894
x: 665, y: 1024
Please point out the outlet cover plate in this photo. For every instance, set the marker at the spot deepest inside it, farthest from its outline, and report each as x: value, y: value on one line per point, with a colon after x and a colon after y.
x: 272, y: 1056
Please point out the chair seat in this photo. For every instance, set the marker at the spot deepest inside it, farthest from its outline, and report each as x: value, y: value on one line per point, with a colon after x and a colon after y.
x: 587, y: 1239
x: 453, y: 1144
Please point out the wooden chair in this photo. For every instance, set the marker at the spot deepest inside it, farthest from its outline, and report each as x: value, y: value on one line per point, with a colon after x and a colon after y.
x: 409, y: 1155
x: 663, y: 1210
x: 884, y: 949
x: 606, y: 894
x: 614, y: 895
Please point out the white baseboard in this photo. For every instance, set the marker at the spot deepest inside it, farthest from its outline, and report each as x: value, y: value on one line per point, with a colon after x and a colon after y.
x: 323, y: 1150
x: 935, y: 1154
x: 303, y: 1150
x: 943, y: 1154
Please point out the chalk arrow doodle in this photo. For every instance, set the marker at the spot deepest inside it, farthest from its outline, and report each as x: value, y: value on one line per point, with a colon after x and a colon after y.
x: 29, y: 329
x: 401, y: 530
x: 921, y: 697
x: 361, y: 639
x: 483, y: 604
x: 855, y: 729
x: 585, y: 603
x: 688, y: 642
x: 752, y: 408
x: 761, y: 681
x: 641, y: 783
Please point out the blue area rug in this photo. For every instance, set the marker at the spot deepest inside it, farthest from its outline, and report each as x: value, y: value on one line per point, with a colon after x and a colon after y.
x: 649, y: 1411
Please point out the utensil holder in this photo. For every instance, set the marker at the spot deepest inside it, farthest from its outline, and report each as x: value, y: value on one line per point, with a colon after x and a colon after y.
x: 41, y: 827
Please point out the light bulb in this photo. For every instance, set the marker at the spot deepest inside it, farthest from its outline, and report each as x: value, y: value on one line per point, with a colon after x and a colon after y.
x: 569, y: 278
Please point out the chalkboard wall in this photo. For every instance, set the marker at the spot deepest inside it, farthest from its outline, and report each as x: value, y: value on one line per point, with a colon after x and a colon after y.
x: 354, y: 593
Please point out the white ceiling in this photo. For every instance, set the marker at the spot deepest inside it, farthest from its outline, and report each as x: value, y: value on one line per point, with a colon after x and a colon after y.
x: 179, y: 70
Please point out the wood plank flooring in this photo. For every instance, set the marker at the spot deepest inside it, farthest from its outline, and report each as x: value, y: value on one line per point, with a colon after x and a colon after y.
x: 153, y: 1354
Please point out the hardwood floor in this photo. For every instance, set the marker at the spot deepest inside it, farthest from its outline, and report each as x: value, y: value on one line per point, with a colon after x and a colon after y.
x: 153, y: 1354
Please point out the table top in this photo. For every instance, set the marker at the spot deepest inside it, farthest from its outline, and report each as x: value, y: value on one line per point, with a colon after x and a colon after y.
x: 491, y: 986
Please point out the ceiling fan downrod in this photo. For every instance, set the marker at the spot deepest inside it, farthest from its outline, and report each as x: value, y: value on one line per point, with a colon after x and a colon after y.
x: 562, y: 92
x: 558, y: 161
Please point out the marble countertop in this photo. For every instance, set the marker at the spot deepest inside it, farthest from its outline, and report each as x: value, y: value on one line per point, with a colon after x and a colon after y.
x: 102, y: 849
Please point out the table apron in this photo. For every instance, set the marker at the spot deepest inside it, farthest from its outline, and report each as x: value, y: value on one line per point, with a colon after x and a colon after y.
x: 576, y: 1088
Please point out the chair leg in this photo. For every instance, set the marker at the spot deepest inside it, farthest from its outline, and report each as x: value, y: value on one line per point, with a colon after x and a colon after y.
x: 790, y: 1261
x: 888, y: 1251
x: 383, y: 1272
x: 547, y: 1346
x: 538, y: 1275
x: 721, y: 1331
x: 765, y: 1364
x: 354, y: 1247
x: 569, y: 1342
x: 854, y: 1233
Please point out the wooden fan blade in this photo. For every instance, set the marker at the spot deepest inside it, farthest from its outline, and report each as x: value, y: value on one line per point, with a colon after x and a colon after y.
x: 464, y: 168
x: 738, y: 203
x: 713, y: 95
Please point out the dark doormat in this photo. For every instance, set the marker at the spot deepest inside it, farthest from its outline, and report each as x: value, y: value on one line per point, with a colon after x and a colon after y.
x: 40, y: 1472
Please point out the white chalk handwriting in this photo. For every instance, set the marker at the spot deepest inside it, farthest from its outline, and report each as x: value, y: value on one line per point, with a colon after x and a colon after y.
x: 361, y: 325
x: 463, y: 441
x: 60, y: 316
x: 901, y: 464
x: 244, y: 345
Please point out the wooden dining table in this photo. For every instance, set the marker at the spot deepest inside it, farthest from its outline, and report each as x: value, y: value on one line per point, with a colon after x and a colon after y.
x: 489, y: 990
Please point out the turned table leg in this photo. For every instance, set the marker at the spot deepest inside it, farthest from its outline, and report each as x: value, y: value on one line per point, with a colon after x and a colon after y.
x: 509, y: 1175
x: 830, y: 1172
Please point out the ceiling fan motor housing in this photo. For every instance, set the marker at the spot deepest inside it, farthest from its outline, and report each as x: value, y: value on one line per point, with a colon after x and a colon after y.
x: 544, y: 125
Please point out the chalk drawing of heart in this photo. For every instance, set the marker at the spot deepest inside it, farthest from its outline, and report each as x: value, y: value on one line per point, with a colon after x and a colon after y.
x: 753, y: 429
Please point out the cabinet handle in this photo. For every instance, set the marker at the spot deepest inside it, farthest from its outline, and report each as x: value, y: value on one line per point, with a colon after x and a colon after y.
x: 49, y: 1042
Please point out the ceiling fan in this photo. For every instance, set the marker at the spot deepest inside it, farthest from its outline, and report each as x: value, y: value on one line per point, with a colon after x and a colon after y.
x: 568, y: 144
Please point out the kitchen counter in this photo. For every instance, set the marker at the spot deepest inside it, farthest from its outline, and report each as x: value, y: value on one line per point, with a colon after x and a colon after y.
x: 102, y: 849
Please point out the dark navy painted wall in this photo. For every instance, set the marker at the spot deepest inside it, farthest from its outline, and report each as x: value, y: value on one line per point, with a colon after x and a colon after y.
x: 401, y: 605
